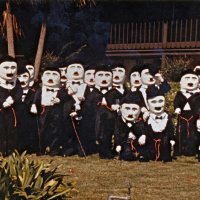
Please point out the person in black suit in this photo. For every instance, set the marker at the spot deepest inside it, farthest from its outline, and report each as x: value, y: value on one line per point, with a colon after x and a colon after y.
x: 27, y: 122
x: 10, y: 96
x: 160, y: 126
x: 130, y: 131
x: 187, y: 111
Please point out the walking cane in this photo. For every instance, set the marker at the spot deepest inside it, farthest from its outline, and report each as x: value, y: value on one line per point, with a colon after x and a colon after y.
x: 78, y: 137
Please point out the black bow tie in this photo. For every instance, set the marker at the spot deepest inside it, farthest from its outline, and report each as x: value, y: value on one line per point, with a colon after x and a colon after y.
x: 9, y: 83
x: 104, y: 88
x: 50, y: 90
x: 117, y: 86
x: 158, y: 117
x: 189, y: 92
x: 76, y: 82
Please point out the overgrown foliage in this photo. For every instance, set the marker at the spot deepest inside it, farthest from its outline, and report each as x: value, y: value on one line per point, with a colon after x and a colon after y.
x: 172, y: 67
x: 22, y: 179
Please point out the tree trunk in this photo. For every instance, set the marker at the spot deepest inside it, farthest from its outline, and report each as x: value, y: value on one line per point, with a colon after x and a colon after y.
x: 40, y: 48
x: 9, y: 29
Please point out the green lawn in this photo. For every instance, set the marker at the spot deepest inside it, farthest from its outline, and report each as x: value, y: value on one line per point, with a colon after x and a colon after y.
x: 97, y: 179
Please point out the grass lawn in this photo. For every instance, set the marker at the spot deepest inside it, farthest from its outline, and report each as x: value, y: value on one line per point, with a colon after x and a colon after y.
x: 97, y: 179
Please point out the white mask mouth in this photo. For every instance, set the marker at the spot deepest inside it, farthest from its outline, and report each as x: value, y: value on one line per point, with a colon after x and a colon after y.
x: 76, y: 74
x: 23, y: 83
x: 63, y: 78
x: 158, y: 108
x: 151, y: 80
x: 50, y: 81
x: 190, y: 84
x: 104, y: 82
x: 116, y: 78
x: 137, y: 82
x: 130, y: 116
x: 10, y: 75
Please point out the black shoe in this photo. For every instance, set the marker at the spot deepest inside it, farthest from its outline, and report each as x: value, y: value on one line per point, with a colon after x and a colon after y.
x: 107, y: 156
x: 142, y: 159
x: 68, y: 152
x: 198, y: 157
x: 54, y: 153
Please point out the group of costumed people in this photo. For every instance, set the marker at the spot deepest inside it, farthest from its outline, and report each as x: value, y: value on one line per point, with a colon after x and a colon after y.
x: 84, y: 110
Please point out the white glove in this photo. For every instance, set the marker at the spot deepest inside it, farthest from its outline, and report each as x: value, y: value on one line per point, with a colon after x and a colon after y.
x: 73, y: 114
x: 71, y: 91
x: 118, y: 148
x: 172, y: 142
x: 142, y: 140
x: 146, y: 115
x: 55, y: 100
x: 177, y: 111
x: 143, y: 110
x: 81, y: 98
x: 131, y: 136
x: 198, y: 125
x: 6, y: 104
x: 33, y: 109
x: 10, y: 100
x: 77, y: 107
x: 115, y: 107
x: 159, y: 77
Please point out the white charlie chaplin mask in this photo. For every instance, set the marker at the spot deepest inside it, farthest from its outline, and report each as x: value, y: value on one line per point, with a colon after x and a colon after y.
x: 130, y: 111
x: 118, y: 75
x: 24, y: 79
x: 135, y: 79
x: 147, y: 78
x: 156, y: 104
x: 51, y: 78
x: 89, y: 77
x: 75, y: 71
x: 31, y: 70
x: 63, y: 73
x: 103, y: 79
x: 8, y: 70
x: 189, y: 82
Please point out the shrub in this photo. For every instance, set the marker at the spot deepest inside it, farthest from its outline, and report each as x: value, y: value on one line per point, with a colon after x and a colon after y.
x: 21, y: 179
x: 172, y: 67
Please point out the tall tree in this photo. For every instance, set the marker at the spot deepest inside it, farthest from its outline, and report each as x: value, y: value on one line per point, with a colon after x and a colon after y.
x: 38, y: 58
x: 9, y: 28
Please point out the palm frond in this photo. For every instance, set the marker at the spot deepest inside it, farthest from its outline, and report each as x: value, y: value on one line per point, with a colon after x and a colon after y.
x: 82, y: 3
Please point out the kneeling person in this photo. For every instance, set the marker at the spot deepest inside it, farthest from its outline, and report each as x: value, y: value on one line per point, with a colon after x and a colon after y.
x: 130, y: 134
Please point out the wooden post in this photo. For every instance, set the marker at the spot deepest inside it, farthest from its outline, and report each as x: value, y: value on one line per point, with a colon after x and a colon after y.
x: 196, y: 29
x: 111, y: 33
x: 115, y: 40
x: 119, y: 34
x: 40, y: 48
x: 131, y: 33
x: 164, y: 33
x: 164, y: 39
x: 9, y: 27
x: 127, y: 33
x: 190, y: 30
x: 181, y: 29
